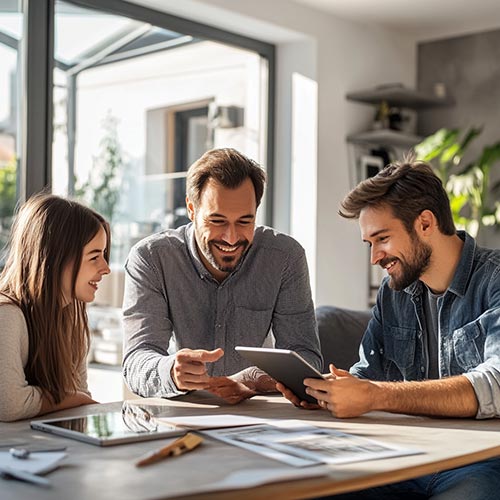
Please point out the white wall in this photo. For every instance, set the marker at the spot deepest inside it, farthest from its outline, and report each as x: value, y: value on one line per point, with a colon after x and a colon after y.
x: 341, y: 56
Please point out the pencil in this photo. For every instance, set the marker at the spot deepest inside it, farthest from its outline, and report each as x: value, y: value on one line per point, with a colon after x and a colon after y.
x: 178, y: 447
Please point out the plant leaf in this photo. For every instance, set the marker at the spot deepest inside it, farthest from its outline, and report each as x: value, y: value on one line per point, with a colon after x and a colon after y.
x: 434, y: 145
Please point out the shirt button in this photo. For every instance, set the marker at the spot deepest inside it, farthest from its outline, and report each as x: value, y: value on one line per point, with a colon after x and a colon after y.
x: 218, y: 325
x: 422, y: 369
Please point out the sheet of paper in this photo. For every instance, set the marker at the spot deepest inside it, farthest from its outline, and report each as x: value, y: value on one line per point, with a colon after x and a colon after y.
x: 299, y: 444
x: 36, y: 463
x: 210, y: 421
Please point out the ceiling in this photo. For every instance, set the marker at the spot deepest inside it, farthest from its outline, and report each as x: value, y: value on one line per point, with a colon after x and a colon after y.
x: 420, y: 18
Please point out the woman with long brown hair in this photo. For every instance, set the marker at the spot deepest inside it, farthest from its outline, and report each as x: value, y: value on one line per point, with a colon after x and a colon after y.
x: 58, y: 253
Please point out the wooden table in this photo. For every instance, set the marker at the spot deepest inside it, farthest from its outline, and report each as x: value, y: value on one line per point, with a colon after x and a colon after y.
x: 94, y: 473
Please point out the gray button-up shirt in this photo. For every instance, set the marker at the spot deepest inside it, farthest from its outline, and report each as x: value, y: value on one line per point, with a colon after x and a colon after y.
x: 172, y: 302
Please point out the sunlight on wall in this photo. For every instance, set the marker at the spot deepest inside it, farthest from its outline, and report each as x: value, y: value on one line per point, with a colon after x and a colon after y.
x: 304, y: 167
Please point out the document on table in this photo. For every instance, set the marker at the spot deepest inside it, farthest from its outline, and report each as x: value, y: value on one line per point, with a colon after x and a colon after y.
x: 210, y: 421
x: 300, y: 445
x: 36, y: 463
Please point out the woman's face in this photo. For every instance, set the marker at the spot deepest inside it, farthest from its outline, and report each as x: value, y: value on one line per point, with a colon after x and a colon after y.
x: 92, y: 269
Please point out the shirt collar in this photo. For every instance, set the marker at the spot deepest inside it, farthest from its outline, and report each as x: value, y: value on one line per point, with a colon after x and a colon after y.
x: 193, y: 252
x: 465, y: 264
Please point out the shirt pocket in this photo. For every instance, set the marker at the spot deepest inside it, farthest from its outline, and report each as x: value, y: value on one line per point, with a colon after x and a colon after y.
x: 252, y: 326
x: 399, y: 347
x: 467, y: 345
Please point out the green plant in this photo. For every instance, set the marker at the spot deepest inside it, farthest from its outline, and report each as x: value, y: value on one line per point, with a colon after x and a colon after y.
x: 8, y: 196
x: 472, y: 198
x: 101, y: 190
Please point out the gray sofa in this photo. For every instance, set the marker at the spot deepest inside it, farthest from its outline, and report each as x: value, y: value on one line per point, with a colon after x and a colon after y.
x: 340, y: 333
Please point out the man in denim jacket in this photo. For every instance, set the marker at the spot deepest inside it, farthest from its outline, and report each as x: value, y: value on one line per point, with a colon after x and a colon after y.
x: 432, y: 346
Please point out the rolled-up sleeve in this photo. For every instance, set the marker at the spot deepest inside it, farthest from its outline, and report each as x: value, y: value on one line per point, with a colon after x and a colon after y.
x: 485, y: 378
x: 486, y: 383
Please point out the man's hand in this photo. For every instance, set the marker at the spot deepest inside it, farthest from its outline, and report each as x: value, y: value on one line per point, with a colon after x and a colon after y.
x: 294, y: 399
x: 242, y: 385
x: 342, y: 394
x: 189, y: 371
x: 229, y: 389
x: 327, y: 393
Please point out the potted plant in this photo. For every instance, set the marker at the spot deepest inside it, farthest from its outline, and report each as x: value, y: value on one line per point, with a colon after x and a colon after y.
x: 473, y: 199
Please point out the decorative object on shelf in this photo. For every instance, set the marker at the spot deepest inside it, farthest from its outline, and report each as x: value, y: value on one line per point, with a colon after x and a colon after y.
x: 393, y: 124
x: 472, y: 198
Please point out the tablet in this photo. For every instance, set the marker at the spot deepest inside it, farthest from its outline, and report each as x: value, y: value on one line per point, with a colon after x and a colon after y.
x: 107, y: 429
x: 284, y: 366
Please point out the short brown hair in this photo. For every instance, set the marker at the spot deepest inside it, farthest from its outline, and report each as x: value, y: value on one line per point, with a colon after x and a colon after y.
x: 229, y: 168
x: 408, y: 188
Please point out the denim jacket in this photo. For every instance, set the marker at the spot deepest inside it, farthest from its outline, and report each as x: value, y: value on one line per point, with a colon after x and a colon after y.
x: 393, y: 347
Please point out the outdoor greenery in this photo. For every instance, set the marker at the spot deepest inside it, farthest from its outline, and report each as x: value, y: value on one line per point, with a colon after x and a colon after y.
x: 473, y: 198
x: 101, y: 190
x: 8, y: 196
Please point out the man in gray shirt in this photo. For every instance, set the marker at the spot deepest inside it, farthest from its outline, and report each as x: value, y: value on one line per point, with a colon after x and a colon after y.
x: 193, y: 293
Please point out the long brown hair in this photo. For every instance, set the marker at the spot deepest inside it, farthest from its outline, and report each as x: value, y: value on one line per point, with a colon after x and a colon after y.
x: 48, y: 234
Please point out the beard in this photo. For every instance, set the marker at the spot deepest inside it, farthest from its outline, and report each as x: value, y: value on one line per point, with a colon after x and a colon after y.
x: 225, y: 263
x: 410, y: 269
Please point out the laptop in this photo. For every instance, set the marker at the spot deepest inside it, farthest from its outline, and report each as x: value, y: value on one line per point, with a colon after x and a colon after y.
x: 133, y: 423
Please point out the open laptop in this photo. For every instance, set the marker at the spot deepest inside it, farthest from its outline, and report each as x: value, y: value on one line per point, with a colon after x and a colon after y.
x: 129, y: 425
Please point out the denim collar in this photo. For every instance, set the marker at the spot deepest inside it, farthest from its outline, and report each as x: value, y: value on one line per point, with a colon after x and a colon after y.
x: 464, y: 269
x: 462, y: 273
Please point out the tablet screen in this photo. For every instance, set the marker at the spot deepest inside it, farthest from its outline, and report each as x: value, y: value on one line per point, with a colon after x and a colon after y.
x: 109, y: 428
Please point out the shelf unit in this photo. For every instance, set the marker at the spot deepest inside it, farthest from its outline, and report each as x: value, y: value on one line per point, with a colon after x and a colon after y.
x: 398, y: 96
x: 384, y: 137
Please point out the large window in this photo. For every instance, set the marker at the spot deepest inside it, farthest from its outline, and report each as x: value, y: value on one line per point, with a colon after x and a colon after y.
x: 135, y: 104
x: 110, y: 102
x: 10, y: 41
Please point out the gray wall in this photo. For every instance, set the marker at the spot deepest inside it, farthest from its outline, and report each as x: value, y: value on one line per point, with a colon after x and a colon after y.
x: 469, y: 67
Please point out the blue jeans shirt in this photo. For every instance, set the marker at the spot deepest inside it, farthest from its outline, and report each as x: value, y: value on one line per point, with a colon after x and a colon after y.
x: 393, y: 347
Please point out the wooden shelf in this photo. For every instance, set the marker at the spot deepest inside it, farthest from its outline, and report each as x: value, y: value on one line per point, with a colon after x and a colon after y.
x: 398, y: 96
x: 384, y: 137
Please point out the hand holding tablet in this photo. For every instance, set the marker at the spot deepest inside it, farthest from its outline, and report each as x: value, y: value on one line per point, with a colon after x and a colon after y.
x: 283, y: 365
